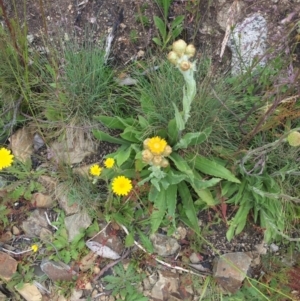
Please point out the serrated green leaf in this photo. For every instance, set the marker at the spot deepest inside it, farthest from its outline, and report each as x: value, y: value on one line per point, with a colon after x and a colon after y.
x: 123, y: 154
x: 102, y: 136
x: 159, y: 210
x: 172, y: 132
x: 145, y: 241
x: 143, y: 122
x: 176, y: 32
x: 211, y: 168
x: 178, y: 118
x: 131, y: 135
x: 157, y: 41
x: 177, y: 21
x: 175, y: 177
x: 111, y: 122
x: 206, y: 196
x: 129, y: 240
x: 188, y: 206
x: 161, y: 26
x: 181, y: 165
x: 18, y: 192
x: 191, y: 139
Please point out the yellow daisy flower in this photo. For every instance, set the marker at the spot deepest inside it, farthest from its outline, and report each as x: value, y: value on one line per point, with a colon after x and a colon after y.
x: 6, y: 158
x: 121, y: 185
x: 157, y: 145
x: 109, y: 162
x: 95, y: 170
x: 34, y: 248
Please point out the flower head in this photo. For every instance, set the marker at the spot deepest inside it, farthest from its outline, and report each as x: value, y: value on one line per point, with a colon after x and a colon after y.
x: 95, y: 170
x: 109, y: 162
x: 121, y: 185
x: 6, y: 158
x: 147, y: 155
x: 294, y: 138
x: 34, y: 248
x: 179, y: 47
x: 157, y: 145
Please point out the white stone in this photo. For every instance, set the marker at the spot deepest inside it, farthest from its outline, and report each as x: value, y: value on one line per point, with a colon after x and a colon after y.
x: 273, y: 248
x: 30, y: 292
x: 248, y: 42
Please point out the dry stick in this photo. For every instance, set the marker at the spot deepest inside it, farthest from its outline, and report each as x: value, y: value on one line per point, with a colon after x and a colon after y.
x: 110, y: 265
x: 160, y: 261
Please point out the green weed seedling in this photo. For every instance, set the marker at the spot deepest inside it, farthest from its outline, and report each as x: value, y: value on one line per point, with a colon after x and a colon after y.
x: 167, y: 33
x: 123, y: 283
x: 60, y: 246
x: 21, y: 180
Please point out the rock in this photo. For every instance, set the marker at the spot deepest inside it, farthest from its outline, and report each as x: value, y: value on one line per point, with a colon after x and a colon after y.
x: 108, y: 237
x: 76, y: 222
x: 48, y: 182
x: 29, y: 292
x: 15, y: 230
x: 73, y: 148
x: 274, y: 248
x: 57, y: 270
x: 248, y: 42
x: 21, y: 143
x: 34, y: 224
x: 230, y: 269
x: 194, y: 258
x: 167, y: 283
x: 180, y: 233
x: 261, y: 248
x: 5, y: 237
x: 62, y: 194
x: 45, y: 234
x: 41, y: 200
x: 8, y: 266
x: 88, y: 261
x: 164, y: 245
x: 76, y: 295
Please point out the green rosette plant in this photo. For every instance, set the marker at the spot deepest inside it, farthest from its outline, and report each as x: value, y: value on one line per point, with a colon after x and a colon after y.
x: 172, y: 176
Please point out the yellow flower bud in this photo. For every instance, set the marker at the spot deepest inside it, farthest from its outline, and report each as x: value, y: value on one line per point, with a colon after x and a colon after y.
x: 179, y: 47
x: 190, y: 50
x: 167, y: 151
x: 185, y: 65
x: 172, y: 57
x: 294, y: 138
x: 164, y: 163
x: 147, y: 156
x: 145, y: 143
x: 157, y: 160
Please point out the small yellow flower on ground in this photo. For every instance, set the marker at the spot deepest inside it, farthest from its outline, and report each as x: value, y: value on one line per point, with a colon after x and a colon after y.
x: 109, y: 162
x: 6, y: 158
x: 121, y: 185
x: 157, y: 145
x: 34, y: 248
x: 95, y: 170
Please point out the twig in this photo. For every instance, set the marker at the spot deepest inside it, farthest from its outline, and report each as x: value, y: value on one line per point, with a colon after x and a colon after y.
x: 16, y: 253
x: 161, y: 261
x: 99, y: 232
x: 107, y: 267
x: 48, y: 220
